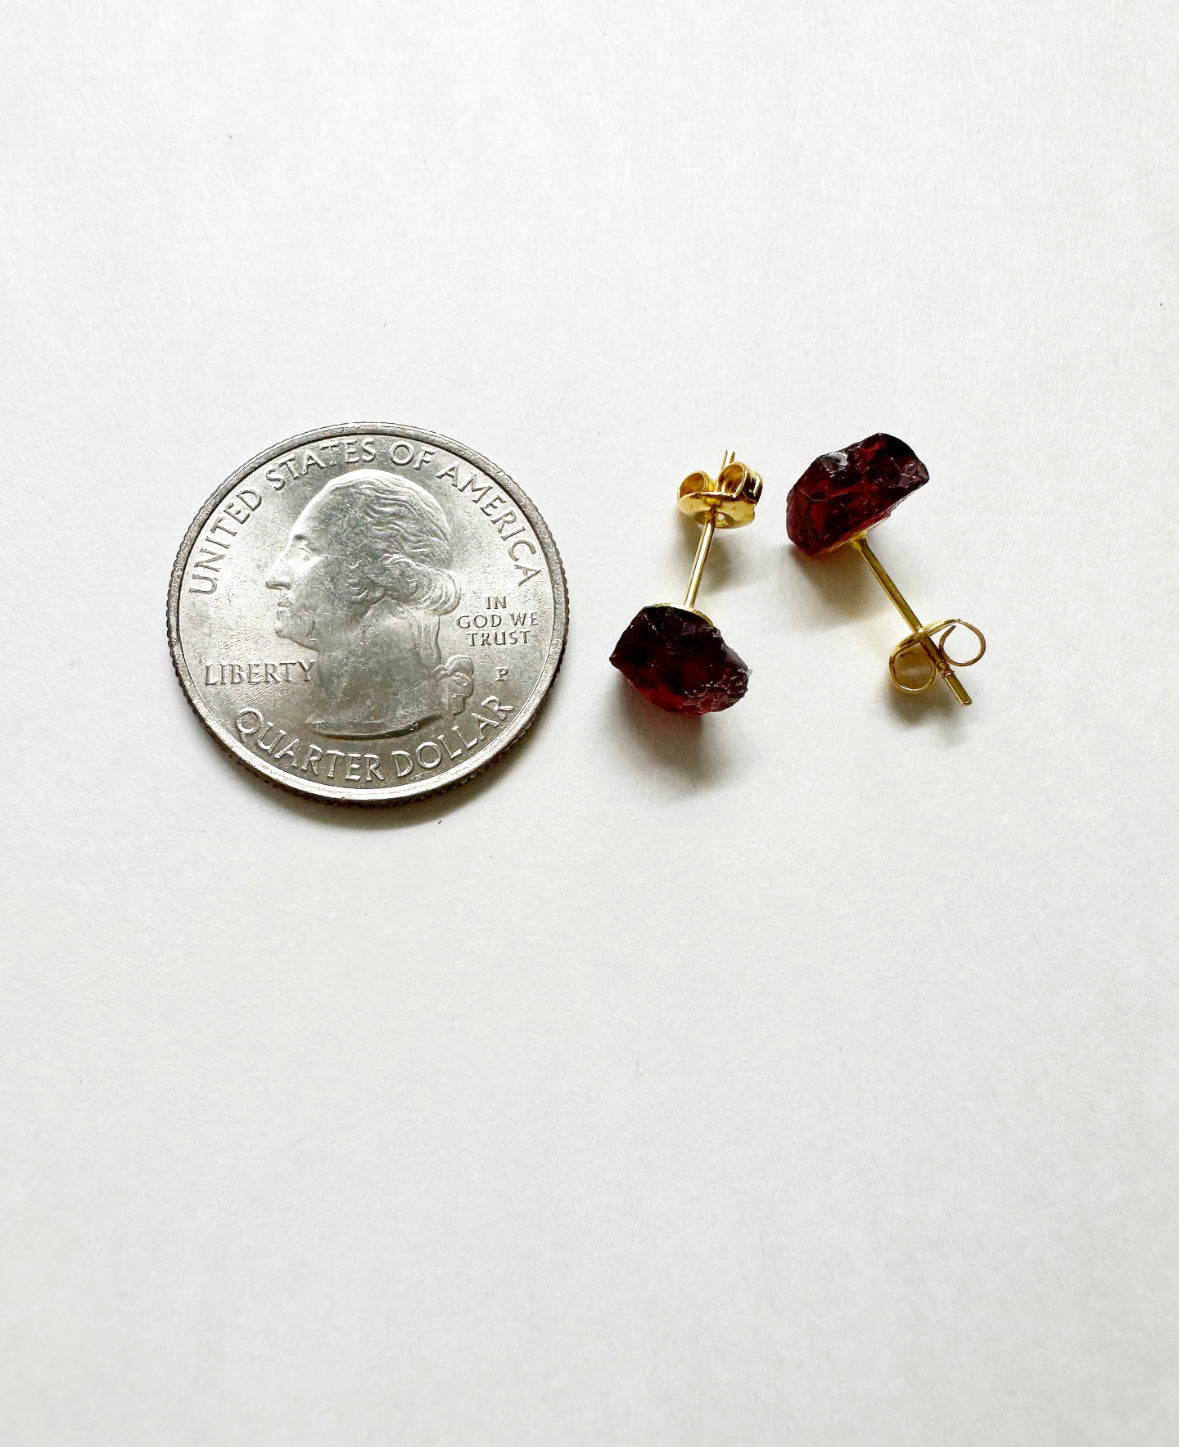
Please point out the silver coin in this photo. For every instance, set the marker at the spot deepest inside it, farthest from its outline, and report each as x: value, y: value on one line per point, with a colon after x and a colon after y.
x: 367, y: 614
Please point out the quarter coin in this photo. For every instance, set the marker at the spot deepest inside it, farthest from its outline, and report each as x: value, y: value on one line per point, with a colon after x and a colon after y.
x: 367, y: 614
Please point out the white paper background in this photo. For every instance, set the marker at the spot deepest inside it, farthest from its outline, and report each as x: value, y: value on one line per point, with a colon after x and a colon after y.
x: 806, y: 1076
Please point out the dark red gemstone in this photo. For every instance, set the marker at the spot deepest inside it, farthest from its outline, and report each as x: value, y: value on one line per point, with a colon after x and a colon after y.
x: 679, y: 661
x: 844, y: 493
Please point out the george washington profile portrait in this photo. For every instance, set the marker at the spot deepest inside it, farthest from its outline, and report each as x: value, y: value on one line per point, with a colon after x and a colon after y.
x: 365, y: 580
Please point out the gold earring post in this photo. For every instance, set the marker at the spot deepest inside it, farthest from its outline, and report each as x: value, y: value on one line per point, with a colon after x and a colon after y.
x: 930, y: 641
x: 702, y: 547
x: 727, y: 502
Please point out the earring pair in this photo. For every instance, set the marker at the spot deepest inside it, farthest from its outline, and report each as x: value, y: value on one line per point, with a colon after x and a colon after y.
x: 677, y: 658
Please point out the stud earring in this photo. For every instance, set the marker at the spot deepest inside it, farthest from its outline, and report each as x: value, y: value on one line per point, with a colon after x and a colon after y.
x: 836, y: 500
x: 673, y: 655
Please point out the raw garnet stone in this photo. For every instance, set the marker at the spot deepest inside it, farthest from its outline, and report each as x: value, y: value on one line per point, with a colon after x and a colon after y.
x: 678, y: 660
x: 844, y: 493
